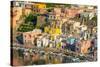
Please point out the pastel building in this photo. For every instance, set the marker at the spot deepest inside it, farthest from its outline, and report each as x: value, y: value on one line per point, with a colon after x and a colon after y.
x: 53, y: 16
x: 36, y: 8
x: 27, y: 9
x: 57, y: 10
x: 29, y: 37
x: 41, y: 20
x: 72, y: 12
x: 41, y: 5
x: 17, y: 11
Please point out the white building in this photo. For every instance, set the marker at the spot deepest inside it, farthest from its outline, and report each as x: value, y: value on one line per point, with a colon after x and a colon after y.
x: 29, y: 37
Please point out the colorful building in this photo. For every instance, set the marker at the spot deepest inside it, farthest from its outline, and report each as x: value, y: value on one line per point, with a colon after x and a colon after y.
x: 57, y: 10
x: 17, y: 11
x: 72, y: 12
x: 29, y: 37
x: 27, y: 9
x: 41, y: 5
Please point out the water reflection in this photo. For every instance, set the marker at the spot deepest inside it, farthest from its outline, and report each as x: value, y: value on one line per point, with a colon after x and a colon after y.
x: 39, y: 57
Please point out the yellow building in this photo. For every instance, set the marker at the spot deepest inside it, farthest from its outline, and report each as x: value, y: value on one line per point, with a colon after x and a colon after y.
x: 58, y: 31
x: 41, y: 5
x: 39, y: 8
x: 46, y: 29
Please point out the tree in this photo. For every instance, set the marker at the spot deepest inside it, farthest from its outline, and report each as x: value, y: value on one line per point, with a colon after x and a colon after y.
x: 26, y: 27
x: 31, y: 18
x: 49, y: 5
x: 68, y: 5
x: 95, y: 20
x: 28, y: 24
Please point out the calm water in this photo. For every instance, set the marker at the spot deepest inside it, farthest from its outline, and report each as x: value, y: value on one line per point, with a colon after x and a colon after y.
x: 42, y: 57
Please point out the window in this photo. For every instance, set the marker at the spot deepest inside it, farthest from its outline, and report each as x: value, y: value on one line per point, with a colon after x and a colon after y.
x: 54, y: 17
x: 25, y: 41
x: 25, y: 36
x: 29, y: 35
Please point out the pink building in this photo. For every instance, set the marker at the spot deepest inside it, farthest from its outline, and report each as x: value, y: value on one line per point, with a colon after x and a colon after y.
x: 29, y: 37
x: 72, y: 12
x: 57, y: 10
